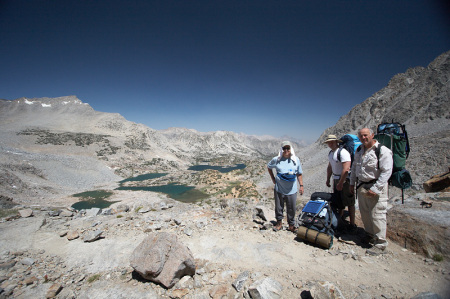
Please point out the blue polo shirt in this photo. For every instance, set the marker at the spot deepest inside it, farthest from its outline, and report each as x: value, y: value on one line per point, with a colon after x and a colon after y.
x: 286, y: 169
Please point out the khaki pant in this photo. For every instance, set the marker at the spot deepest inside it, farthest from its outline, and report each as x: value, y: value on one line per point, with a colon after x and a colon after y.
x: 373, y: 213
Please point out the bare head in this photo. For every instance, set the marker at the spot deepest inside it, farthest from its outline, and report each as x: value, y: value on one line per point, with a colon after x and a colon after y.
x: 366, y: 136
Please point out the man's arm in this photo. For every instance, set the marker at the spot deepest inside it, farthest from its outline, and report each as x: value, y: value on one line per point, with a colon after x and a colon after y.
x: 300, y: 181
x: 344, y: 173
x: 271, y: 174
x: 329, y: 172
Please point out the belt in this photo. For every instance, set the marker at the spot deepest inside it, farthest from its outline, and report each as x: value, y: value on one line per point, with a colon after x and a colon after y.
x: 369, y: 182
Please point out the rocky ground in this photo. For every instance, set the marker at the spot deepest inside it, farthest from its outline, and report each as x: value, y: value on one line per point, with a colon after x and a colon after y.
x: 227, y: 240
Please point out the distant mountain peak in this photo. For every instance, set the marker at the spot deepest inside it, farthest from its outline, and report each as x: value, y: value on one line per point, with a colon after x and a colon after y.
x: 65, y: 100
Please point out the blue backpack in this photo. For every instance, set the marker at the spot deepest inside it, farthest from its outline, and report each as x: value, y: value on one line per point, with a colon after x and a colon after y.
x: 350, y: 142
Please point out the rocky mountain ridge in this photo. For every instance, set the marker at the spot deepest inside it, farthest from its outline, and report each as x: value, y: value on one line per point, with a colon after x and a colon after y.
x: 69, y: 114
x: 418, y: 96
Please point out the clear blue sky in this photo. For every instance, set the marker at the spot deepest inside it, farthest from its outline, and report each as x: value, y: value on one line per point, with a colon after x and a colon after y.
x: 257, y: 67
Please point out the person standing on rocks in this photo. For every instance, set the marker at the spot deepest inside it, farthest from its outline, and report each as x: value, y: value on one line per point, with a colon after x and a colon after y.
x: 339, y: 162
x: 289, y: 171
x: 371, y: 173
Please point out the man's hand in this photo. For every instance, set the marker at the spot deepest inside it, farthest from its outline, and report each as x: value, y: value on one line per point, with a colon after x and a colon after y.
x: 352, y: 189
x: 340, y: 186
x: 328, y: 183
x: 371, y: 193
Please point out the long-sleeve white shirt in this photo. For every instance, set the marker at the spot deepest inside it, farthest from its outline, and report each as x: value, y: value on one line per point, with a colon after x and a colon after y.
x: 365, y: 167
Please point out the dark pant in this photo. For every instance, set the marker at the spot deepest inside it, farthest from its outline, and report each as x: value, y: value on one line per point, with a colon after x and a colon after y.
x: 291, y: 201
x: 344, y: 198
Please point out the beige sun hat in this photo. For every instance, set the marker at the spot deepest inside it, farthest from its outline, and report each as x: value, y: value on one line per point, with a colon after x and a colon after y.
x: 284, y: 143
x: 332, y: 138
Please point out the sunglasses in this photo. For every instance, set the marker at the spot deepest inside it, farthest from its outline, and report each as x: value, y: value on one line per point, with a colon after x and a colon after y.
x: 286, y: 148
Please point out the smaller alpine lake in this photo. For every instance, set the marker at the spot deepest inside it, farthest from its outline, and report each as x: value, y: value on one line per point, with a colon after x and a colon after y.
x: 93, y: 199
x: 181, y: 193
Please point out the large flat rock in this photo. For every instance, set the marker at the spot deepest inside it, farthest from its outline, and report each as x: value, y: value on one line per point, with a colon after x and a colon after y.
x: 422, y: 223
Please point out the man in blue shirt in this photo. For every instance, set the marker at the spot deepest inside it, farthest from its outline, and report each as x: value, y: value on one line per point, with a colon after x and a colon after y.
x: 289, y: 171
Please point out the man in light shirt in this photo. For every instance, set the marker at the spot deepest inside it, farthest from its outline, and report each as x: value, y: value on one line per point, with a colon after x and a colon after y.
x: 339, y: 162
x: 370, y: 174
x: 288, y: 172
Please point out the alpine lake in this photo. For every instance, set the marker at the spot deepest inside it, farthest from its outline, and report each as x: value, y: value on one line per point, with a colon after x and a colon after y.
x: 183, y: 193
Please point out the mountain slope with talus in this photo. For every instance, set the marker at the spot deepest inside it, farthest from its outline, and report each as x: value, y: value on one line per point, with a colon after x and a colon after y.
x: 418, y: 98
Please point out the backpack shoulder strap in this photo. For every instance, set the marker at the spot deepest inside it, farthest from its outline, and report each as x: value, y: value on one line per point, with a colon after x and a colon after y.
x: 339, y: 154
x: 377, y: 153
x: 359, y: 148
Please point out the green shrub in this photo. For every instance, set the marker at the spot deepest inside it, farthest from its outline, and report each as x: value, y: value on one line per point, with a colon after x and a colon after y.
x: 438, y: 257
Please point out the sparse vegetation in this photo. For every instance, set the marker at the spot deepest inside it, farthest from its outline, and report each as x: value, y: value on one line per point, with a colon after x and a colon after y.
x: 137, y: 142
x: 93, y: 278
x: 438, y: 257
x: 65, y: 138
x: 8, y: 212
x: 107, y: 149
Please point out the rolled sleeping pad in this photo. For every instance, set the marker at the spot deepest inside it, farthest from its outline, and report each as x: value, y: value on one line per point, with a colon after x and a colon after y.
x: 322, y: 195
x: 315, y: 237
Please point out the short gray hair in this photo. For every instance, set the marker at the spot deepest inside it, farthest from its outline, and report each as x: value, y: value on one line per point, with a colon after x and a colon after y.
x: 370, y: 130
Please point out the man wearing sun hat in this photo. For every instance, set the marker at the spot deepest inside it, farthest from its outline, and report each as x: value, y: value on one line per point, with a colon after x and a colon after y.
x: 339, y: 163
x: 288, y: 172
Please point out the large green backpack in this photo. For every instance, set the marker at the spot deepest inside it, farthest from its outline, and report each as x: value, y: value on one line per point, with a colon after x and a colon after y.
x: 394, y: 136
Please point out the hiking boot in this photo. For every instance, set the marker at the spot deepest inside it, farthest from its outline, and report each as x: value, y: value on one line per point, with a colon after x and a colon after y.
x: 291, y: 228
x: 374, y: 251
x: 278, y: 226
x: 345, y: 215
x: 381, y: 245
